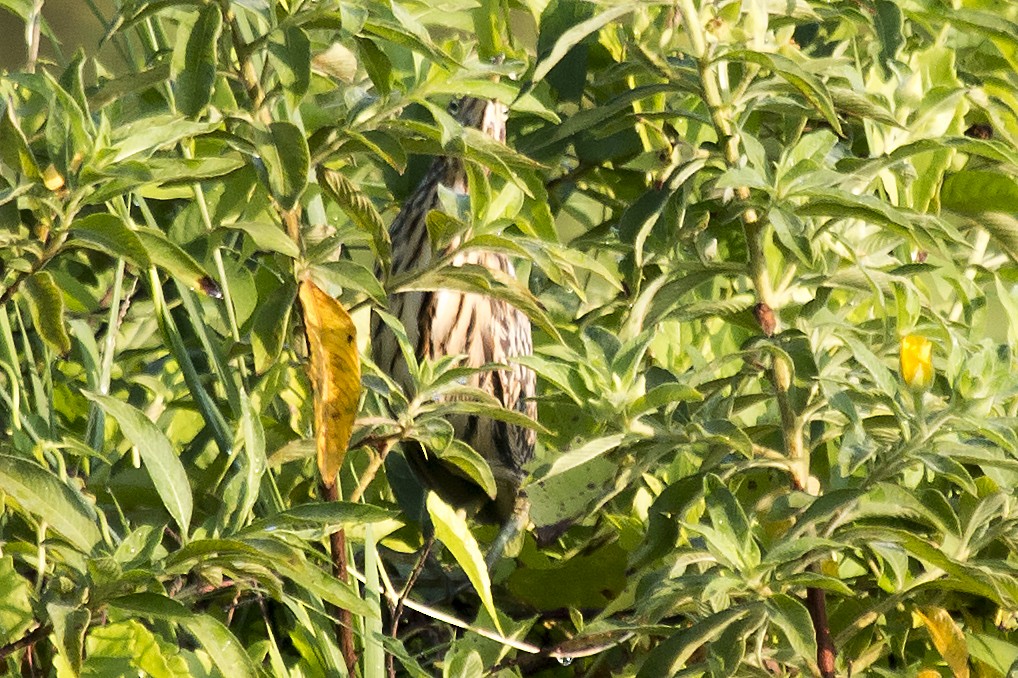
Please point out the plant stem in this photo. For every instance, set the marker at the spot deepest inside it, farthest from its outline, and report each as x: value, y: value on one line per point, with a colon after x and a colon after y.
x: 337, y: 543
x: 27, y: 641
x: 755, y: 232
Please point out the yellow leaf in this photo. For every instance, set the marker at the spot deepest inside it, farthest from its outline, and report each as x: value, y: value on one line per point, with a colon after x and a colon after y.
x: 948, y: 638
x: 335, y: 374
x: 916, y: 362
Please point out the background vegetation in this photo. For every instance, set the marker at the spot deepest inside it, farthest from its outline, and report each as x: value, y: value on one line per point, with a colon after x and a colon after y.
x: 728, y: 213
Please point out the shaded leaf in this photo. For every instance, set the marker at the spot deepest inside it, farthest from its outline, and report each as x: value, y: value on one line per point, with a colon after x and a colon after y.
x: 575, y: 34
x: 287, y: 161
x: 46, y: 303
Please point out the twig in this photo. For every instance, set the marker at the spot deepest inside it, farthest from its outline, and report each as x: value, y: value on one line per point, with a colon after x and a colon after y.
x: 397, y: 612
x: 27, y: 641
x: 372, y: 470
x: 792, y: 423
x: 817, y: 606
x: 32, y: 35
x: 438, y: 615
x: 344, y: 628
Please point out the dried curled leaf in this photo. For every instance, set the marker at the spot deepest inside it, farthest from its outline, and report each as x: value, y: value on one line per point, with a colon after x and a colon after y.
x: 335, y: 374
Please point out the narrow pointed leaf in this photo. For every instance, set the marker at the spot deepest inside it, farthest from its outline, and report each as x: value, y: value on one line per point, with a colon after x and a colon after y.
x: 451, y: 529
x: 157, y: 454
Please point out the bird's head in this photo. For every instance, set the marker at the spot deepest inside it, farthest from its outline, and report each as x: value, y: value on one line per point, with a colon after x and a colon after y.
x: 487, y: 115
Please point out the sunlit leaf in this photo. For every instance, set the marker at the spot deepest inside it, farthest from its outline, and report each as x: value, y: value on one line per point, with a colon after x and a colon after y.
x: 947, y: 638
x: 158, y: 456
x: 451, y: 529
x: 42, y: 494
x: 195, y: 59
x: 335, y: 374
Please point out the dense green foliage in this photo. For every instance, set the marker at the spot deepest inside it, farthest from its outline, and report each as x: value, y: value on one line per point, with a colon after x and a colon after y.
x: 716, y: 487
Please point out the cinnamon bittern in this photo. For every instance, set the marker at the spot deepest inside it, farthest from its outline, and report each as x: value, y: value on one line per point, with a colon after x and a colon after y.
x: 480, y: 328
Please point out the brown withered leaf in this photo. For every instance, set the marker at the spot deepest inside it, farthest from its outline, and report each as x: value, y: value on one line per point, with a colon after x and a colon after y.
x: 335, y: 374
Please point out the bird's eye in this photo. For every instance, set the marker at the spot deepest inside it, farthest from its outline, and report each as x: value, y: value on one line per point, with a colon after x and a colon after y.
x: 454, y: 106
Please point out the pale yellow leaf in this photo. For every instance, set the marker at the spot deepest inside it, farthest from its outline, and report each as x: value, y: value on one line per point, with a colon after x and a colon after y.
x: 335, y: 374
x: 451, y: 529
x: 948, y: 638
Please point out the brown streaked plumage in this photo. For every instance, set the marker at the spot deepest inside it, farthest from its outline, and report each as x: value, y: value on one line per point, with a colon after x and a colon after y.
x: 448, y: 322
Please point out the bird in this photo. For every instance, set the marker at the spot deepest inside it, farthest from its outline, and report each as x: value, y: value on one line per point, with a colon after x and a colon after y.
x: 480, y: 328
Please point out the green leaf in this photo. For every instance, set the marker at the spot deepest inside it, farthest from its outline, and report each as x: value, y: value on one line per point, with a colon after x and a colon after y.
x: 162, y: 463
x: 664, y: 394
x: 359, y: 208
x: 195, y: 59
x: 143, y: 136
x: 351, y: 275
x: 16, y: 614
x: 290, y: 55
x: 995, y: 652
x: 376, y: 63
x: 287, y: 161
x: 472, y: 464
x: 171, y: 258
x: 14, y: 149
x: 591, y: 449
x: 810, y: 86
x: 571, y: 37
x: 730, y: 534
x: 310, y: 577
x: 415, y: 39
x: 267, y: 236
x: 882, y: 376
x: 890, y: 27
x: 108, y: 233
x: 323, y: 518
x: 163, y: 172
x: 46, y: 303
x: 792, y: 617
x: 671, y: 654
x: 1003, y: 228
x: 452, y: 530
x: 268, y: 326
x: 70, y: 623
x: 252, y: 460
x: 41, y: 494
x: 223, y: 647
x: 976, y: 191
